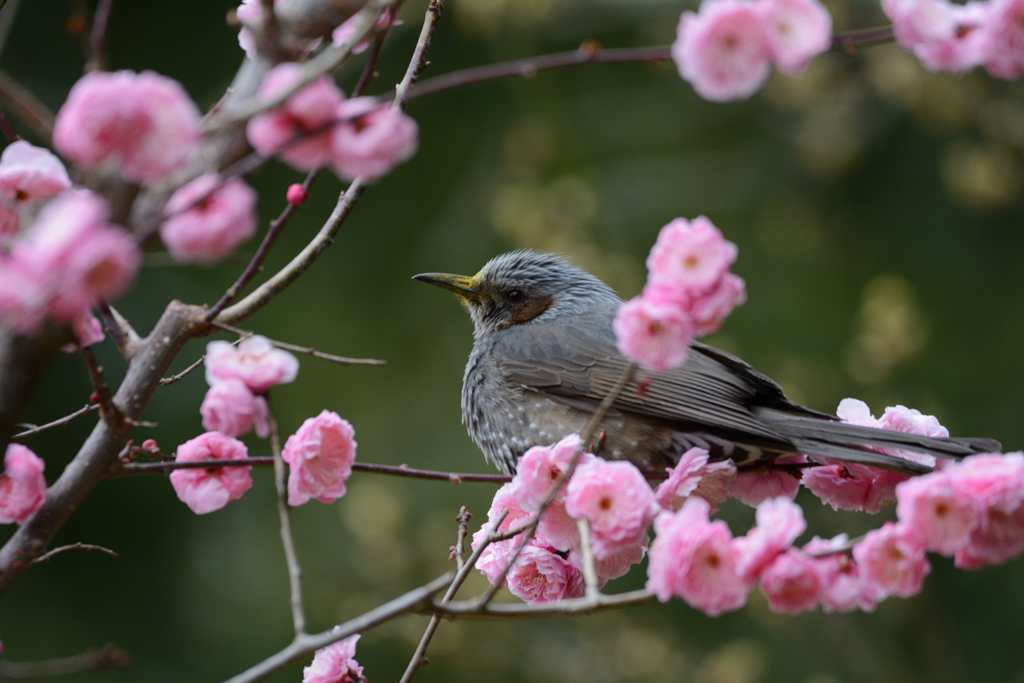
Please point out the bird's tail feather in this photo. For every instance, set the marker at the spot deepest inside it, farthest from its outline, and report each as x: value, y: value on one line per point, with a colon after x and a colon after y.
x: 847, y: 442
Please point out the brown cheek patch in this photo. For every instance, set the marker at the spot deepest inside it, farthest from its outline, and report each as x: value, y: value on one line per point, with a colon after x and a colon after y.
x: 530, y: 310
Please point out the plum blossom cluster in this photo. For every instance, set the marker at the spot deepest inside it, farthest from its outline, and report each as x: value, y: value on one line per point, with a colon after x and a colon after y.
x: 613, y: 497
x: 689, y: 293
x: 238, y: 378
x: 335, y: 663
x: 58, y: 265
x: 726, y: 49
x: 22, y: 486
x: 320, y: 454
x: 954, y: 37
x: 973, y: 510
x: 357, y: 137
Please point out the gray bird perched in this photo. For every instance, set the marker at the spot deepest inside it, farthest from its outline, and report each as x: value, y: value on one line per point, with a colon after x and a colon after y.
x: 545, y: 358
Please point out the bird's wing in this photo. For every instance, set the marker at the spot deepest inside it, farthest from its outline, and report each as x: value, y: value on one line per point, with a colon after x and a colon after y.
x: 580, y: 365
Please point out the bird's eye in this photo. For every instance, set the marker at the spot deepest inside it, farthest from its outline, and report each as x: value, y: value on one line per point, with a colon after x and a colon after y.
x: 515, y: 296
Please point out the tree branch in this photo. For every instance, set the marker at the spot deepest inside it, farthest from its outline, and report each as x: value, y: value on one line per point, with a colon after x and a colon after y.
x: 416, y: 600
x: 98, y: 454
x: 291, y: 557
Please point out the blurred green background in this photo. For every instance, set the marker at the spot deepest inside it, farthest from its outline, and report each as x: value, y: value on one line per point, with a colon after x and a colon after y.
x: 878, y: 213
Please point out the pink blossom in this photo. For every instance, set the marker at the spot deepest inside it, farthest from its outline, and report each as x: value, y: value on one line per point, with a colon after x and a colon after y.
x: 965, y: 47
x: 299, y: 131
x: 723, y: 51
x: 655, y: 335
x: 692, y: 255
x: 146, y: 122
x: 335, y: 663
x: 936, y: 512
x: 996, y: 484
x: 797, y: 30
x: 683, y: 479
x: 843, y: 588
x: 615, y: 498
x: 791, y: 582
x: 320, y: 456
x: 208, y: 218
x: 918, y: 22
x: 372, y: 139
x: 893, y: 560
x: 88, y: 330
x: 495, y: 557
x: 76, y: 256
x: 710, y: 308
x: 536, y: 473
x: 694, y: 558
x: 23, y: 295
x: 847, y: 486
x: 540, y: 467
x: 542, y: 575
x: 1005, y: 38
x: 256, y: 362
x: 856, y: 412
x: 231, y: 409
x: 10, y: 222
x: 22, y: 486
x: 29, y: 173
x: 203, y: 489
x: 752, y: 488
x: 250, y: 14
x: 779, y: 522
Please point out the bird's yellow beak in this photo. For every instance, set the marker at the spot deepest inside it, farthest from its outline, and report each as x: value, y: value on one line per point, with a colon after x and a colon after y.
x: 462, y: 285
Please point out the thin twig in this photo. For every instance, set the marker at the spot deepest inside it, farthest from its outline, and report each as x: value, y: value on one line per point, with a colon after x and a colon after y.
x: 256, y: 264
x: 848, y: 41
x: 22, y: 102
x: 45, y: 557
x: 7, y: 128
x: 109, y: 657
x: 589, y: 571
x: 107, y: 407
x: 371, y: 63
x: 98, y: 36
x: 291, y: 557
x: 57, y: 423
x: 418, y: 660
x: 530, y: 66
x: 476, y: 608
x: 184, y: 373
x: 301, y: 648
x: 267, y: 461
x: 460, y: 541
x: 305, y: 350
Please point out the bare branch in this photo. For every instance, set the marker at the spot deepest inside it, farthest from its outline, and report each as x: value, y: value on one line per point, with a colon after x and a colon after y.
x: 23, y: 103
x: 477, y: 608
x: 57, y: 423
x: 45, y: 557
x: 98, y: 36
x: 120, y: 330
x: 305, y: 350
x: 291, y: 557
x: 266, y: 461
x: 586, y: 549
x: 416, y: 600
x: 418, y: 660
x: 109, y: 657
x: 261, y: 253
x: 98, y: 454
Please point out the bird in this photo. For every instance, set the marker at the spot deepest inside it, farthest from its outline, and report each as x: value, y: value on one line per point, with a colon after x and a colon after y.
x: 544, y: 357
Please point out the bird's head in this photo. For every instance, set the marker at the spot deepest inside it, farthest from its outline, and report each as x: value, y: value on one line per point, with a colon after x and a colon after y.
x: 524, y: 287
